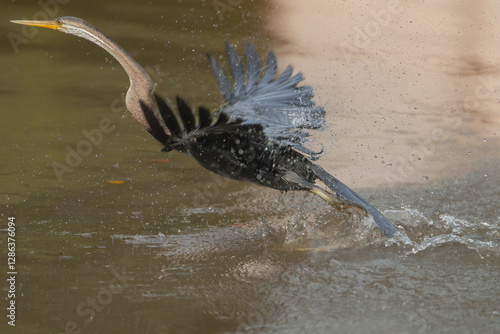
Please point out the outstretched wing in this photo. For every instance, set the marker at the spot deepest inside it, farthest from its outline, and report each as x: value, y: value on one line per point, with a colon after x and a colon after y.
x: 283, y: 109
x: 189, y: 125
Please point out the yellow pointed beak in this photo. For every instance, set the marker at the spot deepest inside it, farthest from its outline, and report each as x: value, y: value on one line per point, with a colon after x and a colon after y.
x: 54, y: 24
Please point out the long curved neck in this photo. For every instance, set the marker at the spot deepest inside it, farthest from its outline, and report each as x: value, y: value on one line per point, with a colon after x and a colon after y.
x: 141, y: 86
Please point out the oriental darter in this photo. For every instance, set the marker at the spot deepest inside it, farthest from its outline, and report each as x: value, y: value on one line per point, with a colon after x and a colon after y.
x: 257, y: 136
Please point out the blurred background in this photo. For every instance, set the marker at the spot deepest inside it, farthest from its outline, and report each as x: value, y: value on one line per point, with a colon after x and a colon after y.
x: 123, y: 237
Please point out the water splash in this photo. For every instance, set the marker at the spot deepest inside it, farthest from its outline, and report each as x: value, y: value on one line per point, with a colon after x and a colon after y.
x: 424, y: 233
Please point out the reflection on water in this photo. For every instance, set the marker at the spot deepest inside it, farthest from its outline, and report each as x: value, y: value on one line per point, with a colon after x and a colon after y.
x: 175, y: 249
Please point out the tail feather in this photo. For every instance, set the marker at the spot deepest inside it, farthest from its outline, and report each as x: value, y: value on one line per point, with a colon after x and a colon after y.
x: 344, y: 192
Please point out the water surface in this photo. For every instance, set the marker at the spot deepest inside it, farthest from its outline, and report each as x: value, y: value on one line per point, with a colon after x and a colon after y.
x: 173, y: 248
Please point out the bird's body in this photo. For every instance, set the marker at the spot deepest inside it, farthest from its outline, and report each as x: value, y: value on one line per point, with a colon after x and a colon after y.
x: 237, y: 151
x: 257, y: 136
x: 237, y: 141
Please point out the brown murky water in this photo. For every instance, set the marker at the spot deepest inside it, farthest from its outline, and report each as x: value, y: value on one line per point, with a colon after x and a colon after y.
x: 412, y: 97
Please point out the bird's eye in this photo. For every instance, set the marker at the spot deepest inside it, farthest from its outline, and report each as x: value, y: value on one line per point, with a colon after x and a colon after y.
x: 59, y: 21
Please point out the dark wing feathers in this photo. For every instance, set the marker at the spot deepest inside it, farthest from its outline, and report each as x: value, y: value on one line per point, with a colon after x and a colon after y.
x: 275, y: 103
x: 155, y: 127
x: 187, y: 116
x: 168, y: 117
x: 189, y: 125
x: 223, y: 119
x: 205, y: 117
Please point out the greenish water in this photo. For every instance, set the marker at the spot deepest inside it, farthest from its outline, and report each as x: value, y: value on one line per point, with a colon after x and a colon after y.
x: 176, y: 249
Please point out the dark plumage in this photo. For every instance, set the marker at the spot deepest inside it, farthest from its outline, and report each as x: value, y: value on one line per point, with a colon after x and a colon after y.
x: 259, y: 134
